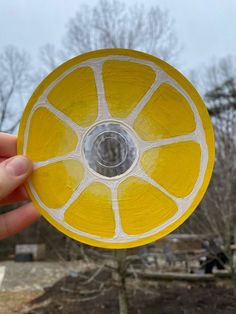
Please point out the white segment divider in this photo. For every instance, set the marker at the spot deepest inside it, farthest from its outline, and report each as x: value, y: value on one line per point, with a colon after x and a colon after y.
x: 103, y: 111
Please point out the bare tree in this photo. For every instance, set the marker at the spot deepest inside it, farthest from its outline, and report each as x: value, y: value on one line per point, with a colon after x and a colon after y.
x: 114, y: 24
x: 14, y: 83
x: 48, y: 55
x: 217, y: 213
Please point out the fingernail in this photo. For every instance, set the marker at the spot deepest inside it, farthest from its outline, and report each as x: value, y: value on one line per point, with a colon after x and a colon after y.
x: 17, y: 166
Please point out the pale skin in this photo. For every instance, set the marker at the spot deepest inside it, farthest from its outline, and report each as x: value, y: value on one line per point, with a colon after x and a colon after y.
x: 14, y: 170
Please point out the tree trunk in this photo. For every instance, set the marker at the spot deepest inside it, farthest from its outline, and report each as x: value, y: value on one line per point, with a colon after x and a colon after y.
x: 121, y: 280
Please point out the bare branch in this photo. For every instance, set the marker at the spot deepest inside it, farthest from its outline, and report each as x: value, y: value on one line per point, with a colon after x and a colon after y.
x: 14, y: 80
x: 114, y: 24
x: 217, y: 213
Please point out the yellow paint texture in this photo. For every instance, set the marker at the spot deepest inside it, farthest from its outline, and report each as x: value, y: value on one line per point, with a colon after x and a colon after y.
x: 175, y: 167
x: 49, y: 136
x: 55, y: 183
x: 92, y: 211
x: 142, y: 206
x: 125, y: 84
x: 76, y: 96
x: 166, y: 114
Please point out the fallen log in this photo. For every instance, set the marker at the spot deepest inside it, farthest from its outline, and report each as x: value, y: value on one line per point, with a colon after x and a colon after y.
x: 149, y: 275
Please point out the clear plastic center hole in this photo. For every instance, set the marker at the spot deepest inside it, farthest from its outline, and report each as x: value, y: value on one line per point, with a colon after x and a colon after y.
x: 109, y: 149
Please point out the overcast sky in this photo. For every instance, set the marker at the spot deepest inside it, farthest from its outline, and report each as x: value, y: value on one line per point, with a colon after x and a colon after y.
x: 206, y: 28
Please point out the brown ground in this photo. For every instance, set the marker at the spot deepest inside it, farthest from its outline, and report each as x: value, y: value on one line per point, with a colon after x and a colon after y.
x: 72, y: 295
x: 13, y: 302
x: 68, y: 288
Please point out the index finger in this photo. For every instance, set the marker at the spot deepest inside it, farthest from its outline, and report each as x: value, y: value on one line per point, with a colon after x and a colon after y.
x: 18, y: 219
x: 8, y: 145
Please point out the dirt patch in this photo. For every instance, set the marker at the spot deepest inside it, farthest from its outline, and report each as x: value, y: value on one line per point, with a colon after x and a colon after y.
x: 13, y: 302
x: 36, y: 276
x: 80, y: 294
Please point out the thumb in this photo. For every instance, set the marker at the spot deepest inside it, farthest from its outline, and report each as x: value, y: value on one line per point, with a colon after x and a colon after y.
x: 13, y: 173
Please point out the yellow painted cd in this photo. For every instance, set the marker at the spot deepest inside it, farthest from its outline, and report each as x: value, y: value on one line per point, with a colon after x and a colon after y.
x: 122, y: 145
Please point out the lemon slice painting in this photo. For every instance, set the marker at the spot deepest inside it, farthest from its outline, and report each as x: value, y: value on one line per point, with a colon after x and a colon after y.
x: 122, y: 146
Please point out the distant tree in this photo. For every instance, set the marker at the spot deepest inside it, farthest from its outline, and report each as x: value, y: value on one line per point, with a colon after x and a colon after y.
x: 221, y: 100
x: 48, y: 55
x: 217, y: 212
x: 217, y: 84
x: 221, y: 94
x: 14, y: 83
x: 114, y: 24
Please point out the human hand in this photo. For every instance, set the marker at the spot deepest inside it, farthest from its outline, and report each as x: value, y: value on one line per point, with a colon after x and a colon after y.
x: 14, y: 170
